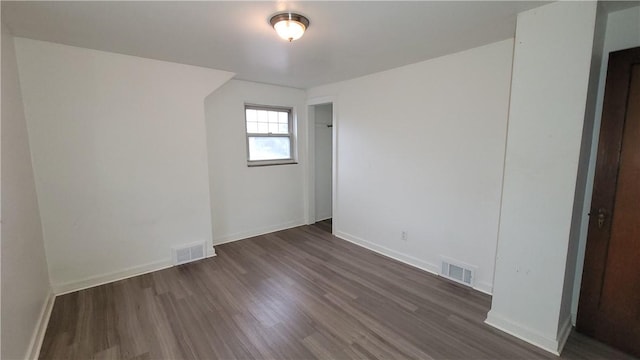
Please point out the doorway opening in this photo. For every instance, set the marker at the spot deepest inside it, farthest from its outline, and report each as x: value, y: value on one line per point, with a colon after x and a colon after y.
x: 321, y: 172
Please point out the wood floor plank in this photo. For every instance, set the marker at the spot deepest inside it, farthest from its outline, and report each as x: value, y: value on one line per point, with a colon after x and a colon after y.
x: 294, y: 294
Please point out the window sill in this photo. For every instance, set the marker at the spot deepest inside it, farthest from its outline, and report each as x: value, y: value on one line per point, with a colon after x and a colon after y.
x: 271, y: 163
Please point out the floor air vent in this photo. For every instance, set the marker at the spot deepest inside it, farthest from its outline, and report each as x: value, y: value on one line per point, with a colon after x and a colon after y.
x: 457, y: 271
x: 188, y: 253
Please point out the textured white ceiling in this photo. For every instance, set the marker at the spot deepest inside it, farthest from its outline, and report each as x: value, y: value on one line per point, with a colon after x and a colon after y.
x: 346, y: 39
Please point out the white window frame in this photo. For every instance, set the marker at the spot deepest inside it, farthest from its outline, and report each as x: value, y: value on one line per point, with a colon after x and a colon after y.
x: 290, y: 135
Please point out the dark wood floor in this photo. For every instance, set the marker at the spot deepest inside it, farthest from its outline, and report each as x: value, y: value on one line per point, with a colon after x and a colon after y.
x: 293, y: 294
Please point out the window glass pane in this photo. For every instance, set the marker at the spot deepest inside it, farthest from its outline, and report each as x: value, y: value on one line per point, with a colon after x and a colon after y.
x: 269, y: 148
x: 252, y: 127
x: 273, y: 116
x: 273, y: 128
x: 262, y: 115
x: 251, y: 115
x: 263, y: 128
x: 283, y: 117
x: 283, y: 128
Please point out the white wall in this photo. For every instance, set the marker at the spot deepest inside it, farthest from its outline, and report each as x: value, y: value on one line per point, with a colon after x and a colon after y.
x: 119, y: 152
x: 25, y: 279
x: 420, y: 148
x: 248, y: 201
x: 552, y: 61
x: 323, y: 164
x: 622, y: 32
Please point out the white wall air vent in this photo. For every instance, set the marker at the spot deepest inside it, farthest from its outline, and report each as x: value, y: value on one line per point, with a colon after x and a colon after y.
x: 188, y: 253
x: 458, y: 271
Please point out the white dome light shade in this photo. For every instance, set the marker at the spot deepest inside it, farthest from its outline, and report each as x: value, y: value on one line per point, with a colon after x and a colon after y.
x: 289, y: 30
x: 289, y: 26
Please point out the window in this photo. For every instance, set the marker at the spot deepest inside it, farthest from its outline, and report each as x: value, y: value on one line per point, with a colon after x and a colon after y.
x: 270, y: 137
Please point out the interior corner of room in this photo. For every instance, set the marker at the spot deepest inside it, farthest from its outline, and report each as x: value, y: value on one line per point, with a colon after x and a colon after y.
x: 483, y: 158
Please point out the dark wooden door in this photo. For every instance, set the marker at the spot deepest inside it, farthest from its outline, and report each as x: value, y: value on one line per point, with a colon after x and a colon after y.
x: 609, y: 308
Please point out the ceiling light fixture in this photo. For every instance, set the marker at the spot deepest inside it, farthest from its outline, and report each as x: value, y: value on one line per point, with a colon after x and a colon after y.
x: 289, y: 26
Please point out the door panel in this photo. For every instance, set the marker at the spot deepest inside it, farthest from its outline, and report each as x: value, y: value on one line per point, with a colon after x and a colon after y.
x: 621, y: 284
x: 609, y: 308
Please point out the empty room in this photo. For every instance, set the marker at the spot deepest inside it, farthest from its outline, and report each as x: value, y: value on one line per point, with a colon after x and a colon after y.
x: 320, y: 180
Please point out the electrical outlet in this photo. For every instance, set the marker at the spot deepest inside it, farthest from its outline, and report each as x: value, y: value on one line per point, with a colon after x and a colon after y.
x: 404, y: 236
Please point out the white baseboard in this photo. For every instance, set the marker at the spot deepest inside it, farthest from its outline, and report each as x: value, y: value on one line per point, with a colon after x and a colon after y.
x: 382, y: 250
x: 404, y: 258
x: 41, y: 327
x: 256, y: 232
x: 72, y: 286
x: 531, y: 336
x: 211, y: 251
x: 563, y: 334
